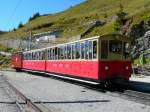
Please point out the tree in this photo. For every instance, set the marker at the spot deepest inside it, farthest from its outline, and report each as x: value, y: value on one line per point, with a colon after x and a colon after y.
x: 14, y: 29
x: 36, y: 15
x: 121, y: 18
x: 20, y: 25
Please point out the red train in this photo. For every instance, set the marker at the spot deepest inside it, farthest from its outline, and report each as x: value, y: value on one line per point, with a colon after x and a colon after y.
x: 92, y: 60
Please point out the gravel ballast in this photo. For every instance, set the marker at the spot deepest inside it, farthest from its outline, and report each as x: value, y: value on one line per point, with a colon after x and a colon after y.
x: 61, y: 96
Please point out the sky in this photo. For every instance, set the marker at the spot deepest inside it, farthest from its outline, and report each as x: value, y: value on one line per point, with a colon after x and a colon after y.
x: 12, y: 12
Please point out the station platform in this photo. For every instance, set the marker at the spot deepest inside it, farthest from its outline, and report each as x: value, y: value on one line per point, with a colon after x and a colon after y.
x: 140, y: 78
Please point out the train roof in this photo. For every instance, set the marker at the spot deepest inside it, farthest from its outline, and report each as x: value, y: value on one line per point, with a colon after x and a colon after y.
x: 102, y: 37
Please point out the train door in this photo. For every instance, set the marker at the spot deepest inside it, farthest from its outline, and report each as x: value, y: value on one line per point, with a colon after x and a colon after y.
x: 16, y: 61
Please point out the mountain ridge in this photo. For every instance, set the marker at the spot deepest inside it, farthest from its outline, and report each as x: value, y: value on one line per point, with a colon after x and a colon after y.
x: 74, y: 21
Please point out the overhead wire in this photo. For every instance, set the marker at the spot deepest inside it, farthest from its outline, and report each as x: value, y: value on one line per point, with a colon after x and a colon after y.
x: 14, y: 11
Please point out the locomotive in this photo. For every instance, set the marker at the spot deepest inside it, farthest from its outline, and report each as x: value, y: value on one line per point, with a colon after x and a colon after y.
x: 92, y: 60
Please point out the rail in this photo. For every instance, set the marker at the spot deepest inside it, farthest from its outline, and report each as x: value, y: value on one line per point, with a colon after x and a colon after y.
x: 31, y: 105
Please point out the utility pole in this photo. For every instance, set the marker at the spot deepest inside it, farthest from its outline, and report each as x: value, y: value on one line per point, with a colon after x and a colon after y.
x: 30, y: 41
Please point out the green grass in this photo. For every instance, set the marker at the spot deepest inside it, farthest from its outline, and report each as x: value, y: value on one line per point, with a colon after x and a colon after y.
x: 137, y: 61
x: 148, y: 60
x: 74, y: 20
x: 5, y: 62
x: 5, y: 48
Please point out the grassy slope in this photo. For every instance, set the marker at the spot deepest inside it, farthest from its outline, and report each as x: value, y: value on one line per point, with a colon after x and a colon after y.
x: 74, y: 20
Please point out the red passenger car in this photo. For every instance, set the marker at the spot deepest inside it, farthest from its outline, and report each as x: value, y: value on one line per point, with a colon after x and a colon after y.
x: 91, y: 60
x: 16, y: 61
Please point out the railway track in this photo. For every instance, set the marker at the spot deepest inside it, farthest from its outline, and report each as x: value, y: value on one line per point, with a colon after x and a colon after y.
x: 132, y: 91
x: 129, y: 91
x: 21, y: 102
x: 128, y: 94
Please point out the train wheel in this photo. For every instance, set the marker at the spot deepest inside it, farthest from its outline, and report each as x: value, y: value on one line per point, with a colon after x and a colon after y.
x: 108, y: 84
x: 18, y: 70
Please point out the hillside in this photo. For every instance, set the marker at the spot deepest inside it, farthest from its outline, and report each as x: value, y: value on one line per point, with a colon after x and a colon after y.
x: 2, y: 32
x: 77, y: 19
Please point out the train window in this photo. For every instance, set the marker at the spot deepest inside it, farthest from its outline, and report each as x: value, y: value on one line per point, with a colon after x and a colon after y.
x: 73, y: 51
x: 59, y: 57
x: 43, y: 55
x: 68, y: 51
x: 37, y: 55
x: 77, y: 47
x: 56, y: 53
x: 126, y: 50
x: 48, y: 54
x: 29, y: 56
x: 87, y: 49
x: 94, y: 49
x: 53, y: 54
x: 65, y: 52
x: 115, y: 46
x: 115, y: 49
x: 82, y: 50
x: 104, y: 49
x: 61, y: 53
x: 90, y: 49
x: 32, y: 56
x: 24, y: 56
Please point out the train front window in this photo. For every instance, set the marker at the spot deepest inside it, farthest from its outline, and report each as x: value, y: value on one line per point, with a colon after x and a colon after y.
x: 115, y: 49
x: 115, y: 46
